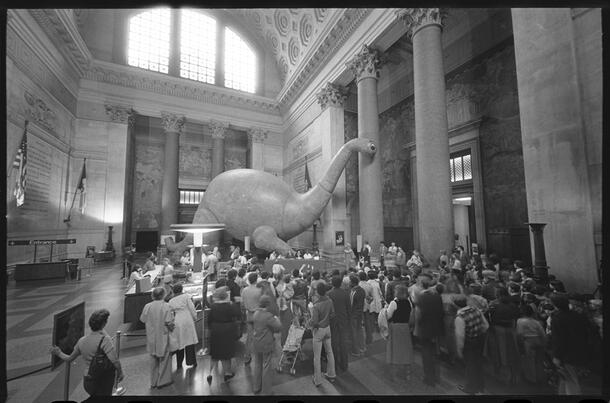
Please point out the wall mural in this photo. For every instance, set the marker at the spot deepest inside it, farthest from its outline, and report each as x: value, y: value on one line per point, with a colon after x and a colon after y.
x: 396, y: 130
x: 235, y: 159
x: 195, y: 161
x: 148, y: 182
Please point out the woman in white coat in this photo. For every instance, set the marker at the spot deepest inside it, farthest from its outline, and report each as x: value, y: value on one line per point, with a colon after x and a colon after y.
x: 185, y: 333
x: 376, y: 303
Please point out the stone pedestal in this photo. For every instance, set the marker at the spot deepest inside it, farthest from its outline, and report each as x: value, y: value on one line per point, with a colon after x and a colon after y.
x: 257, y: 148
x: 365, y: 67
x: 169, y: 191
x: 435, y: 210
x: 219, y: 131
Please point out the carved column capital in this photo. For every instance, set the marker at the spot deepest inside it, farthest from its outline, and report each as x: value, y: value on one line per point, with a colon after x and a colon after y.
x: 218, y: 129
x: 332, y: 95
x: 172, y: 123
x: 417, y: 18
x: 120, y: 114
x: 365, y: 64
x: 257, y: 135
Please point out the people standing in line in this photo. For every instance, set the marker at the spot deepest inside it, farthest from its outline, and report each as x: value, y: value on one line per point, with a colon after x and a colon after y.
x: 224, y: 333
x: 184, y: 330
x: 87, y: 347
x: 399, y: 347
x: 265, y: 324
x: 357, y: 296
x: 428, y: 328
x: 250, y: 299
x: 159, y: 320
x: 322, y: 313
x: 339, y: 324
x: 470, y: 329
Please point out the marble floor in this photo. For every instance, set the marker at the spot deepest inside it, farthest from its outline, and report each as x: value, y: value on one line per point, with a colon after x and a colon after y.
x: 30, y: 310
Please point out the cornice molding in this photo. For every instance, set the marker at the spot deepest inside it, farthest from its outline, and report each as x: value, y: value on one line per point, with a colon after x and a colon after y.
x: 132, y: 77
x: 337, y: 36
x: 59, y: 24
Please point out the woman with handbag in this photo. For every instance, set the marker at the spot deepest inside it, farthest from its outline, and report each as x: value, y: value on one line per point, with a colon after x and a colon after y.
x: 184, y: 331
x: 224, y: 332
x: 97, y: 349
x: 159, y: 319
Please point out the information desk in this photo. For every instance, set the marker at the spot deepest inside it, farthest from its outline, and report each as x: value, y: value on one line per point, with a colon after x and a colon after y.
x: 291, y: 264
x: 135, y: 301
x: 41, y: 271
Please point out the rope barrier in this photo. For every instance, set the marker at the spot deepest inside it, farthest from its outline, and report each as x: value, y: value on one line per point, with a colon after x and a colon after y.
x: 28, y: 373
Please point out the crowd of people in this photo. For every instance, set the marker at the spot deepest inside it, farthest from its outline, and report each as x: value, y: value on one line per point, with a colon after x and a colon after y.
x: 491, y: 315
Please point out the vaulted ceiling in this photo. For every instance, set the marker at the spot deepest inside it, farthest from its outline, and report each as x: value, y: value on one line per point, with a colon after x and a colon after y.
x: 287, y: 33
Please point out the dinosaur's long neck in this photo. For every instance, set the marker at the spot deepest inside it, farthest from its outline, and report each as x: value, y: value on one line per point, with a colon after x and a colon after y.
x: 316, y: 199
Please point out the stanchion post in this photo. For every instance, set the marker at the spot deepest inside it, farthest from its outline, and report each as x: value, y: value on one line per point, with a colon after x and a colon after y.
x: 67, y: 381
x: 118, y: 390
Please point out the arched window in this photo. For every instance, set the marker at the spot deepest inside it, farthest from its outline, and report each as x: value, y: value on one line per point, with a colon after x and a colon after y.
x: 196, y: 52
x: 149, y: 37
x: 240, y: 63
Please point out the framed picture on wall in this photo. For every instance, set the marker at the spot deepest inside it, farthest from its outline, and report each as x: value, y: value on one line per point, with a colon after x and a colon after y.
x: 90, y: 251
x: 339, y: 238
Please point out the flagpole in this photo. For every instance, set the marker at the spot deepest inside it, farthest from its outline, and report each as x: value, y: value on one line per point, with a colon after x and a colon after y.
x: 74, y: 197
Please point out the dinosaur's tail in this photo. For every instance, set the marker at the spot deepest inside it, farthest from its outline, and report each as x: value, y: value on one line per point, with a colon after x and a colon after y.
x: 179, y: 247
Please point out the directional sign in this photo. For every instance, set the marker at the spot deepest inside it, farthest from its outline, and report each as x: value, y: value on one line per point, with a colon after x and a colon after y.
x: 42, y: 242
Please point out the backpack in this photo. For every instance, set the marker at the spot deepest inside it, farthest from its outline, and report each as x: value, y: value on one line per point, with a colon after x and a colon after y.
x: 100, y: 366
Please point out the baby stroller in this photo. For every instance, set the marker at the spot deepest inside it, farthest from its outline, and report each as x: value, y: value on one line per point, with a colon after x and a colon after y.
x: 292, y: 348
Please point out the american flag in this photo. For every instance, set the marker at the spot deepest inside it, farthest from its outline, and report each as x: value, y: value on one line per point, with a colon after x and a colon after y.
x: 21, y: 164
x: 82, y: 187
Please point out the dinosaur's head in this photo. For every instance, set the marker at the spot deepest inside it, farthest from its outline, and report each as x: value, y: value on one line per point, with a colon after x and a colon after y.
x: 364, y: 146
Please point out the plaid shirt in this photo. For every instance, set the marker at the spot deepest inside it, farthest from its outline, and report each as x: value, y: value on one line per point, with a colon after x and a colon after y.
x: 473, y: 320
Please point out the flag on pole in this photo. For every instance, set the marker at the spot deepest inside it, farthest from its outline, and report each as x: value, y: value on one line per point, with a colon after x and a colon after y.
x: 307, y: 179
x: 82, y: 187
x: 21, y: 164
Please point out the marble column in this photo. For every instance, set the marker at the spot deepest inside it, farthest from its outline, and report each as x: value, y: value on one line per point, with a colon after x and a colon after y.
x: 257, y: 147
x: 331, y: 121
x: 172, y: 124
x: 435, y: 210
x: 219, y: 132
x: 365, y: 66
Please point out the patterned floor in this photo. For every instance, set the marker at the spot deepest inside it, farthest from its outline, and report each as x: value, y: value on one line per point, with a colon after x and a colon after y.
x: 30, y: 310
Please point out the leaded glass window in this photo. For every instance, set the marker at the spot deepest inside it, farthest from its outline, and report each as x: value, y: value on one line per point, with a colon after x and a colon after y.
x: 149, y: 38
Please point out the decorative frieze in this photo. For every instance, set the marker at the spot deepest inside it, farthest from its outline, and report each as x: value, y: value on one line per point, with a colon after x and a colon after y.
x: 417, y: 18
x: 365, y: 64
x: 120, y: 114
x: 332, y: 95
x: 218, y: 129
x: 37, y: 110
x: 257, y: 135
x: 172, y: 123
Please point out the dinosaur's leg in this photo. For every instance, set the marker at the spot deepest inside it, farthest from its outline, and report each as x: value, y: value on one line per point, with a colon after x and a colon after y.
x: 266, y: 238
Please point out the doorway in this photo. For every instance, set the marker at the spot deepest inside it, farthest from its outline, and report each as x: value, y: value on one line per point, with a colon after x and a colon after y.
x: 464, y: 222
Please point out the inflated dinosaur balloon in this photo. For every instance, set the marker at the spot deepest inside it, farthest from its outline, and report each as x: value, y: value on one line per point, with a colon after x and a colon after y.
x: 257, y: 204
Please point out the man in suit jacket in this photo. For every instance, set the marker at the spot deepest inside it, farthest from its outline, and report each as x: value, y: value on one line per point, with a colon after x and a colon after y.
x: 428, y: 328
x: 356, y: 314
x: 339, y: 324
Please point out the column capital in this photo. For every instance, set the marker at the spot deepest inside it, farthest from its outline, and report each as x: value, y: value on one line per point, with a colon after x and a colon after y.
x: 365, y: 64
x: 332, y: 95
x: 219, y: 129
x: 257, y: 135
x: 417, y: 18
x: 172, y: 123
x: 120, y: 114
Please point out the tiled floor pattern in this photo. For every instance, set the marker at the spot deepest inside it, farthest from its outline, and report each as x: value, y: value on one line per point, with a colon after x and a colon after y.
x: 29, y: 324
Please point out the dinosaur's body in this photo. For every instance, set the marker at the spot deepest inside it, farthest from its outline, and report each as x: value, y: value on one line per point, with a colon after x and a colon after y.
x: 257, y: 204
